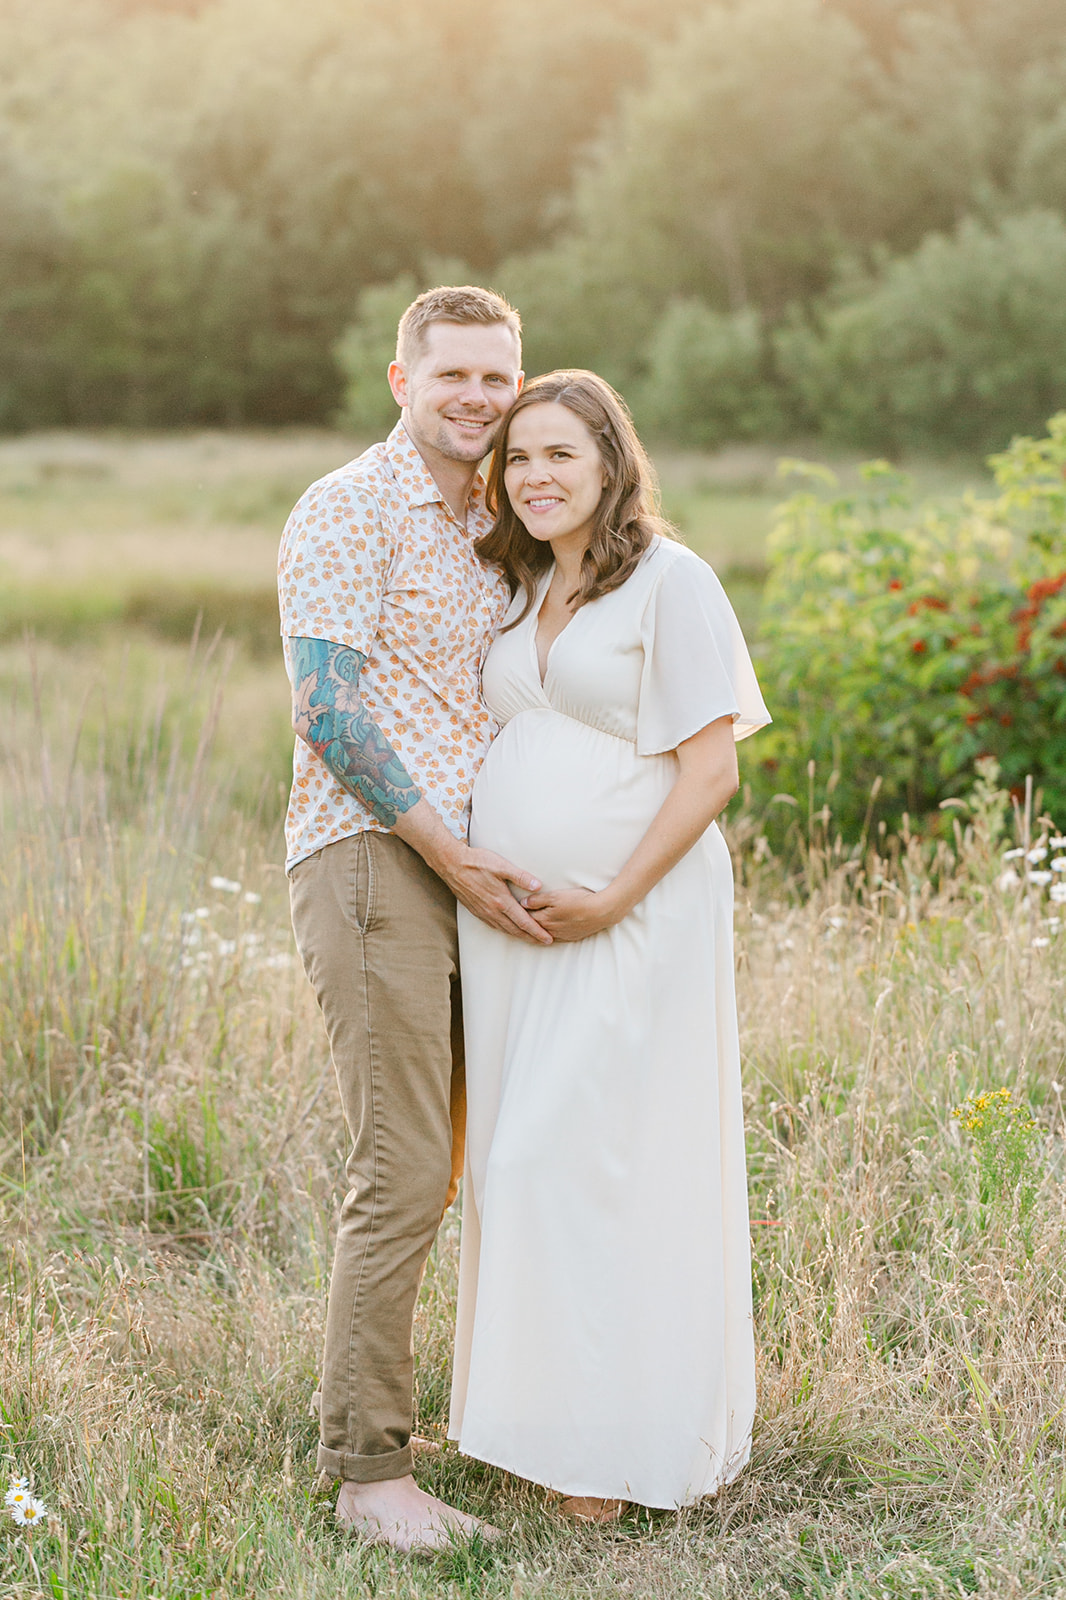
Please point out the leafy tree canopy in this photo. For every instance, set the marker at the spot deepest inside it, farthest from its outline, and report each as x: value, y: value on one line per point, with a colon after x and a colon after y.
x: 202, y: 190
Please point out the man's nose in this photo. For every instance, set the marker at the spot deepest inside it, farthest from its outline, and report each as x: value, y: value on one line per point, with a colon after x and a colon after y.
x: 473, y: 394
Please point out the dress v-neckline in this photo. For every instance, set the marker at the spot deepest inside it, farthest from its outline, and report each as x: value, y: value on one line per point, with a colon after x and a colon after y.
x: 542, y: 677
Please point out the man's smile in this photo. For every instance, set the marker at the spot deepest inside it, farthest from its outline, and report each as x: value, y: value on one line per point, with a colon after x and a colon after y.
x: 473, y: 424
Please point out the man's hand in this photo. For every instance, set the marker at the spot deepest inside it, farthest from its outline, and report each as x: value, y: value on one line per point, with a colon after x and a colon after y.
x: 479, y: 879
x: 571, y: 914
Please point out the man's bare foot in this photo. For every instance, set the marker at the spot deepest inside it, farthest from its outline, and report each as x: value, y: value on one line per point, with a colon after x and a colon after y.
x: 398, y: 1513
x: 592, y: 1508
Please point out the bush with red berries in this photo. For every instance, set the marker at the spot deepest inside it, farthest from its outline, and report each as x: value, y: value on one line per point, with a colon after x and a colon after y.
x: 902, y: 641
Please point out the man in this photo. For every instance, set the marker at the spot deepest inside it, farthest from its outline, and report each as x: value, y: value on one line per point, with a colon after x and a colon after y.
x: 387, y: 614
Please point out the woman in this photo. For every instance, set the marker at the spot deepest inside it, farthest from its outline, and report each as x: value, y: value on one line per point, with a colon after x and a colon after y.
x: 604, y: 1343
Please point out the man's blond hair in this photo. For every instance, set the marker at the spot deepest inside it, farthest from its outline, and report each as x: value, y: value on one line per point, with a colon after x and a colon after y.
x: 465, y: 304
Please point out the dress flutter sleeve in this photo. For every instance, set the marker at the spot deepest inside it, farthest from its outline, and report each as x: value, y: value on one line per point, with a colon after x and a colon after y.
x: 696, y: 664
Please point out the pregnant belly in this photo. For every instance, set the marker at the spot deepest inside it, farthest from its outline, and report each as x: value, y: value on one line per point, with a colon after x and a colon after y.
x: 564, y: 801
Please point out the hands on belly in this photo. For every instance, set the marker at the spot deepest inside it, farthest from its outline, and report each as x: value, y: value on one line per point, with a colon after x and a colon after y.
x: 572, y: 914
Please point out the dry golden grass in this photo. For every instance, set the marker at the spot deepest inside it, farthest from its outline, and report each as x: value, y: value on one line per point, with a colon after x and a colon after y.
x: 81, y: 508
x: 92, y: 524
x: 171, y: 1155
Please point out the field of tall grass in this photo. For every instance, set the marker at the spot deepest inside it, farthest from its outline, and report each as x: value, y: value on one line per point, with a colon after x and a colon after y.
x: 151, y: 531
x: 171, y: 1160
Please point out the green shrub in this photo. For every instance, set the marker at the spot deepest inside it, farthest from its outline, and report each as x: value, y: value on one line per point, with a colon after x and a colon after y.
x: 36, y: 254
x: 963, y: 342
x: 579, y: 311
x: 364, y: 352
x: 707, y: 377
x: 901, y: 642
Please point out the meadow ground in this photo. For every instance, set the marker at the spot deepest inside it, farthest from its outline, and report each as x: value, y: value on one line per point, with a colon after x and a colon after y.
x: 152, y: 529
x: 171, y: 1148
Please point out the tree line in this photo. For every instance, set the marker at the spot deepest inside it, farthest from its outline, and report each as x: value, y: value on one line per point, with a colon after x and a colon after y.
x: 757, y: 217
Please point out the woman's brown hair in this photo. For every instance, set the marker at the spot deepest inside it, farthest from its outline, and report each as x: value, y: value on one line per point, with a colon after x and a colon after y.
x: 627, y: 517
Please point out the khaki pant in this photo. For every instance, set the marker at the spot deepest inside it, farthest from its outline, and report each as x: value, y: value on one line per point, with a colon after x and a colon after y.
x: 376, y: 932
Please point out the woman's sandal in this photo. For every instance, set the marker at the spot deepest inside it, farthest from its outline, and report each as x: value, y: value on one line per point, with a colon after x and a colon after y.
x: 593, y: 1508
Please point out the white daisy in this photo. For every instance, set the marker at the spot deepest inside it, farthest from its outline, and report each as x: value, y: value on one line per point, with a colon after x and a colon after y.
x: 30, y: 1514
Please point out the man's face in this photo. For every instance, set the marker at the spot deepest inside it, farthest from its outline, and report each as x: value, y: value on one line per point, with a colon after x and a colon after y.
x: 458, y: 389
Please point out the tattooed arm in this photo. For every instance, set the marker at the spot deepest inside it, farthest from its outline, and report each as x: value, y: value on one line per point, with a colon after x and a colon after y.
x: 329, y: 716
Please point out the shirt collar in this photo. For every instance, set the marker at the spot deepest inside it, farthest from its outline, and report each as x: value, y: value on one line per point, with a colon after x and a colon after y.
x: 414, y: 480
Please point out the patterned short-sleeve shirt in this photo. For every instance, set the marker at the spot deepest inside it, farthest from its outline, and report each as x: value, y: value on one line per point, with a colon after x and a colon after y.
x: 372, y: 558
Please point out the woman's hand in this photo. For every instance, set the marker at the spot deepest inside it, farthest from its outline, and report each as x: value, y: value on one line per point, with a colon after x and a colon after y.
x: 707, y: 778
x: 571, y: 914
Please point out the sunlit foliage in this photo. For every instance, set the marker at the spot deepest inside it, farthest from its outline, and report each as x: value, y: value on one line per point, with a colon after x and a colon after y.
x: 196, y: 193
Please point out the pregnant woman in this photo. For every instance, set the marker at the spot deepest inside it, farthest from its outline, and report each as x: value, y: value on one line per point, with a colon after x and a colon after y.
x: 604, y: 1343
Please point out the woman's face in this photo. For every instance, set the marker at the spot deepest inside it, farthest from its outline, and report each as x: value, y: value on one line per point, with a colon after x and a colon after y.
x: 554, y: 475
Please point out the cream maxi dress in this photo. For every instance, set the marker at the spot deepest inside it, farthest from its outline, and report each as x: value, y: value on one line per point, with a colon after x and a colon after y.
x: 604, y: 1342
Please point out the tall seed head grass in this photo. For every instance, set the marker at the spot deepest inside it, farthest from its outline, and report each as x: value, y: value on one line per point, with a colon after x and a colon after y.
x: 173, y: 1155
x: 138, y: 984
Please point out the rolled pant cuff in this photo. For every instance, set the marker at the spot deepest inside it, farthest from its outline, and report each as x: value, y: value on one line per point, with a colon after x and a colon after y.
x: 365, y: 1469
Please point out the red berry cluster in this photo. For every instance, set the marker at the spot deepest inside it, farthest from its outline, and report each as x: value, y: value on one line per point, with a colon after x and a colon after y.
x: 1025, y: 617
x: 925, y: 602
x: 1040, y: 591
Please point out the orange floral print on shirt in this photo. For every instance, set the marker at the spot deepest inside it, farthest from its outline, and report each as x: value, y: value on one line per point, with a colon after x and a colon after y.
x: 372, y: 558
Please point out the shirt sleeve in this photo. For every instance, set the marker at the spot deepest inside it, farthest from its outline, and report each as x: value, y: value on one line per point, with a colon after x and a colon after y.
x: 696, y: 664
x: 333, y: 565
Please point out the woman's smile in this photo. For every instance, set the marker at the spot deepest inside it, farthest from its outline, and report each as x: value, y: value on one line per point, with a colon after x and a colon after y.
x: 554, y: 474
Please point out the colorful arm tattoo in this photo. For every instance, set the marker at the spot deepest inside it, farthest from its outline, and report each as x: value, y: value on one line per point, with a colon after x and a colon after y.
x: 330, y: 717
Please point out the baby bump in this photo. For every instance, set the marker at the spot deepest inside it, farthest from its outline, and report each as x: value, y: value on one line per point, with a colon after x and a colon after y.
x: 565, y: 801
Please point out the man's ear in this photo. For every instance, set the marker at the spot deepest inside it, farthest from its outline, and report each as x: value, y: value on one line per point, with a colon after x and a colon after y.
x: 398, y: 383
x: 521, y: 381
